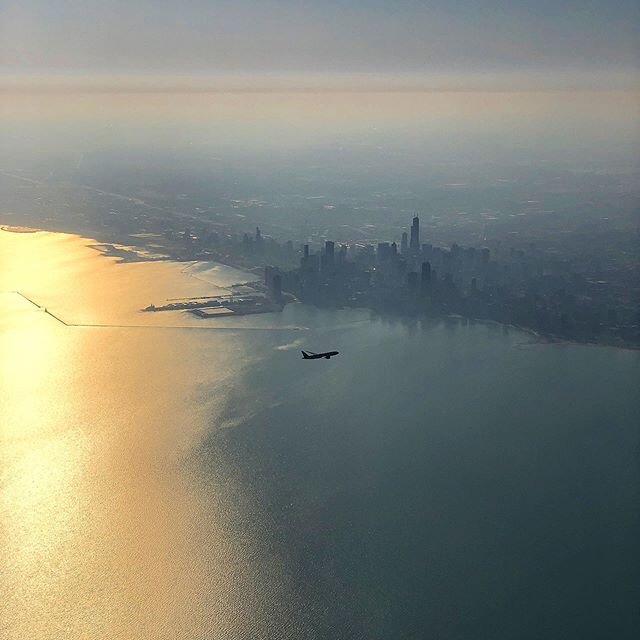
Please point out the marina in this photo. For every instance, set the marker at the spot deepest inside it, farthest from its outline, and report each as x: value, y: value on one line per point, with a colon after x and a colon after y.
x: 242, y: 300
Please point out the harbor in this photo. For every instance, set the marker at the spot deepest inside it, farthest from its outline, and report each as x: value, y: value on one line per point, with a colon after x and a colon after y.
x: 241, y: 300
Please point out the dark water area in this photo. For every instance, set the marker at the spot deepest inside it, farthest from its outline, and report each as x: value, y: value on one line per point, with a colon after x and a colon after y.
x: 161, y: 478
x: 447, y: 481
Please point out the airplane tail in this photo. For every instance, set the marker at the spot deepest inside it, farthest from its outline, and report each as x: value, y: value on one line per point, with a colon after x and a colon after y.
x: 305, y: 355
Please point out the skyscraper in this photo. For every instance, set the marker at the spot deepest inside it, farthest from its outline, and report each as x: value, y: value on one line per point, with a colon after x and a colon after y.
x: 276, y: 287
x: 426, y: 274
x: 330, y: 249
x: 414, y: 244
x: 258, y: 241
x: 329, y: 253
x: 404, y: 244
x: 412, y: 281
x: 384, y: 251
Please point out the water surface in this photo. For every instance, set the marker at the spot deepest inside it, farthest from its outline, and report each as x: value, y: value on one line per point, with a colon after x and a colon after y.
x: 440, y: 480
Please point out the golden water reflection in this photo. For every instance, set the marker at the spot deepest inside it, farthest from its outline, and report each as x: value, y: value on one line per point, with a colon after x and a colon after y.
x: 102, y: 522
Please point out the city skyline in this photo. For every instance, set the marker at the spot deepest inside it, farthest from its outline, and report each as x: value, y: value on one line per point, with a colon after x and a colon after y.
x: 198, y: 198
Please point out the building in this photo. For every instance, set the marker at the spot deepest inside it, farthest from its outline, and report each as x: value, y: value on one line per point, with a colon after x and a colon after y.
x: 404, y: 244
x: 276, y: 287
x: 383, y: 252
x: 412, y: 281
x: 425, y: 279
x: 414, y: 244
x: 330, y: 253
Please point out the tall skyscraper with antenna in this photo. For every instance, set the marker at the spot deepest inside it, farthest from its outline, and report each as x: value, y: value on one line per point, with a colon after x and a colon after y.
x: 414, y: 244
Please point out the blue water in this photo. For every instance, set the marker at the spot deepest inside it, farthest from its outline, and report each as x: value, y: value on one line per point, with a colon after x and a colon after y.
x: 442, y: 480
x: 435, y: 480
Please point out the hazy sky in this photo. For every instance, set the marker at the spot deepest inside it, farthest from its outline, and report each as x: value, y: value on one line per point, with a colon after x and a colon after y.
x: 248, y: 36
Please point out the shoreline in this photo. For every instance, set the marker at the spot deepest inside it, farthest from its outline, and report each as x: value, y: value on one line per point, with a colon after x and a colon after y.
x: 127, y: 253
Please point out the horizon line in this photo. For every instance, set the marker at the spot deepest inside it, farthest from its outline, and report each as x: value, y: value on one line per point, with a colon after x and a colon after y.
x: 70, y: 87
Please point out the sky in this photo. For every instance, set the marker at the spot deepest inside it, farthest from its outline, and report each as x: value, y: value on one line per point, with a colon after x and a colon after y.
x: 598, y: 38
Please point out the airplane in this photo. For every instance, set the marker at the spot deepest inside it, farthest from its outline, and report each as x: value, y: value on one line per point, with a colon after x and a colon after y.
x: 309, y: 355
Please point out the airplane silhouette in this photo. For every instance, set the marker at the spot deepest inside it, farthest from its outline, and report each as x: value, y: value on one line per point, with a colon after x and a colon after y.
x: 309, y: 355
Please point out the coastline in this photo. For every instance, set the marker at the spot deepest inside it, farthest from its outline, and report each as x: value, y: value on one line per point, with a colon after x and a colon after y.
x: 132, y: 252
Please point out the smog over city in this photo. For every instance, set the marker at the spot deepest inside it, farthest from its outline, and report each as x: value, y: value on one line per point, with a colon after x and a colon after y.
x: 320, y: 319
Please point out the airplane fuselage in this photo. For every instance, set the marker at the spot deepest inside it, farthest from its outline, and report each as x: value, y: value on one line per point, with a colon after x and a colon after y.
x: 308, y: 355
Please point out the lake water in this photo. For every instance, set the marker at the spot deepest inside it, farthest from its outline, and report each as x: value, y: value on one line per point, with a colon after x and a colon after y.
x: 167, y: 477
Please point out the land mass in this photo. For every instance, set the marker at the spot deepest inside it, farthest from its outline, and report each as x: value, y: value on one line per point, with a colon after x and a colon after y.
x: 566, y: 274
